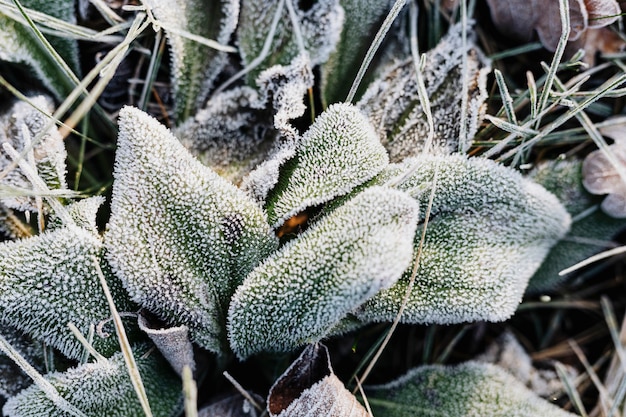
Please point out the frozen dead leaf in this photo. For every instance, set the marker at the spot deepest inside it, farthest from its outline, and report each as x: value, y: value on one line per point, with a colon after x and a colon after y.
x: 521, y: 18
x: 465, y: 390
x: 50, y: 280
x: 597, y: 41
x: 488, y: 232
x: 172, y: 342
x: 180, y: 237
x: 194, y: 65
x: 319, y: 25
x: 104, y: 389
x: 393, y: 106
x: 600, y: 176
x: 234, y: 406
x: 301, y: 292
x: 564, y: 179
x: 309, y: 387
x: 336, y: 154
x: 19, y: 127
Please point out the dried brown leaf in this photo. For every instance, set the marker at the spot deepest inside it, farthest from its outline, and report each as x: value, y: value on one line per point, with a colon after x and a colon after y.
x: 600, y: 176
x: 602, y: 12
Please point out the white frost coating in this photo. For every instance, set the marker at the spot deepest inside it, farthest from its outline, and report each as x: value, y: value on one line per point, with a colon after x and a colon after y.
x: 469, y: 389
x: 49, y: 153
x: 180, y: 237
x: 339, y: 152
x: 83, y: 212
x: 49, y: 280
x: 489, y: 231
x: 104, y: 389
x: 302, y: 291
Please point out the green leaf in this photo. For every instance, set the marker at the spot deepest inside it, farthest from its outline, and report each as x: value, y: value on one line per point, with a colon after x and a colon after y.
x: 298, y: 294
x: 488, y: 232
x: 393, y: 106
x: 320, y: 28
x: 195, y: 66
x: 12, y: 379
x: 339, y: 152
x: 50, y: 280
x: 103, y: 388
x: 180, y: 237
x: 468, y: 389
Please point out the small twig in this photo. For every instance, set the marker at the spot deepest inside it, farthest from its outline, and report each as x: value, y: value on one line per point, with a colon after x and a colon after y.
x: 242, y: 391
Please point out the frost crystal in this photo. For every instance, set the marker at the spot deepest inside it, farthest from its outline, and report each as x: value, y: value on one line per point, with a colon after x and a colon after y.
x: 393, y: 106
x: 302, y: 291
x: 180, y: 237
x: 489, y: 231
x: 194, y: 65
x: 20, y: 126
x: 104, y: 389
x: 50, y: 280
x: 339, y: 152
x: 466, y: 390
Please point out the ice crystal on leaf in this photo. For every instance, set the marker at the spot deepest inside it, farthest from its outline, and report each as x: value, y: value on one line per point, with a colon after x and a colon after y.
x: 180, y: 237
x: 50, y: 280
x: 302, y: 291
x: 339, y: 152
x: 195, y: 66
x: 489, y: 231
x: 393, y: 106
x: 103, y: 389
x: 464, y: 390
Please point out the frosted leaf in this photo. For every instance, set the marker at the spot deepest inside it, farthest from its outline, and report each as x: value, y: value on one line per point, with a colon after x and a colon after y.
x: 337, y: 153
x: 83, y: 213
x: 194, y: 65
x: 320, y: 26
x: 233, y: 406
x: 20, y: 125
x: 601, y: 177
x: 362, y: 20
x: 180, y: 237
x: 104, y: 389
x: 309, y: 388
x: 489, y: 231
x: 393, y: 105
x: 12, y: 379
x: 590, y: 233
x: 19, y: 45
x: 49, y: 280
x: 465, y: 390
x: 301, y: 292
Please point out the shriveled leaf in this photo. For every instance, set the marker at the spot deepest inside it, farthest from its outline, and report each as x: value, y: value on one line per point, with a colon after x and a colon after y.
x: 194, y: 65
x: 103, y: 388
x: 19, y: 127
x: 489, y: 231
x: 50, y: 280
x: 309, y: 387
x: 180, y: 237
x: 602, y: 12
x: 320, y: 27
x: 468, y: 389
x: 339, y: 152
x: 301, y: 292
x: 234, y: 406
x: 600, y: 176
x: 393, y: 106
x: 590, y: 233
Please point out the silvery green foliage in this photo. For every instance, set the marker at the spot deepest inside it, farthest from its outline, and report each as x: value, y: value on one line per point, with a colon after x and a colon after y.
x: 362, y: 20
x: 103, y: 389
x: 299, y: 293
x: 393, y: 106
x: 337, y: 153
x: 180, y: 237
x: 19, y: 45
x: 82, y: 212
x: 12, y: 379
x: 194, y: 65
x: 488, y: 232
x: 20, y: 126
x: 564, y: 179
x: 465, y: 390
x: 320, y: 27
x: 50, y: 280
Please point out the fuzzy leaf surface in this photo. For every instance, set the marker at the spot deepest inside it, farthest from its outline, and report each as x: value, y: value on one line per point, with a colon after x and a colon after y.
x: 337, y: 153
x: 489, y: 231
x: 104, y: 389
x: 298, y: 294
x: 180, y: 237
x: 465, y: 390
